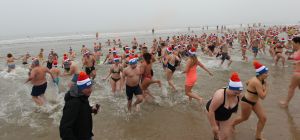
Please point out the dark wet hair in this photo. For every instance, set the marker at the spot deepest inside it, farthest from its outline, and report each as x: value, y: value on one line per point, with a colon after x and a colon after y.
x: 296, y: 40
x: 147, y: 57
x: 9, y: 55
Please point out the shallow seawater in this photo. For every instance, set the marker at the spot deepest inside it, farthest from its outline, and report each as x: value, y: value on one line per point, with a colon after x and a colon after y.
x: 169, y: 116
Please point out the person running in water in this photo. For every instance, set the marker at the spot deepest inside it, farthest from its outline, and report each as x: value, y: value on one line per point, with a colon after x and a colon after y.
x: 225, y: 54
x: 115, y: 72
x: 134, y: 43
x: 50, y: 59
x: 171, y: 62
x: 289, y: 49
x: 89, y: 63
x: 254, y: 44
x: 109, y: 58
x: 38, y: 80
x: 279, y: 52
x: 147, y: 74
x: 132, y: 75
x: 25, y: 58
x: 72, y: 54
x: 191, y: 74
x: 295, y: 79
x: 41, y: 56
x: 244, y: 52
x: 256, y: 88
x: 66, y: 63
x: 10, y: 61
x: 224, y: 102
x: 55, y: 72
x: 84, y: 49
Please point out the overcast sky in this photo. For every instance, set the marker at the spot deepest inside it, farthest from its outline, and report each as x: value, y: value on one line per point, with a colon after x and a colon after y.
x: 21, y: 17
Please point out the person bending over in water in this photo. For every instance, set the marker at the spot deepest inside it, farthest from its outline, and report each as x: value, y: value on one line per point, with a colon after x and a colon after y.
x: 191, y: 74
x: 219, y: 109
x: 256, y: 88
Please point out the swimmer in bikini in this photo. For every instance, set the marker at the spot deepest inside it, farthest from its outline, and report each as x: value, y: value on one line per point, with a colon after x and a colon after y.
x: 147, y: 74
x: 115, y: 74
x: 256, y: 89
x: 295, y: 79
x: 191, y: 74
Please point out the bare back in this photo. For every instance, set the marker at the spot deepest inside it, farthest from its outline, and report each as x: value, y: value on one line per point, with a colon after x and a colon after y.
x: 38, y: 75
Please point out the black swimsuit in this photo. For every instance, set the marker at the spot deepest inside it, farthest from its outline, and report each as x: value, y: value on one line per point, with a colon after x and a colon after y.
x: 171, y: 67
x: 223, y: 113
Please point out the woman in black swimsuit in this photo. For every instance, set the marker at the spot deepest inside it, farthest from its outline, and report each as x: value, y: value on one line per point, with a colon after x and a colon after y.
x: 219, y: 109
x: 171, y: 64
x: 115, y: 73
x: 256, y: 88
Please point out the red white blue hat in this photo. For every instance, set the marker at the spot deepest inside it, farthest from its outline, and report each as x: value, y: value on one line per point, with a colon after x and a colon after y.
x: 169, y: 49
x: 54, y: 64
x: 132, y: 60
x: 66, y: 59
x: 114, y: 50
x: 83, y: 81
x: 259, y: 68
x: 192, y: 51
x: 116, y: 58
x: 235, y: 82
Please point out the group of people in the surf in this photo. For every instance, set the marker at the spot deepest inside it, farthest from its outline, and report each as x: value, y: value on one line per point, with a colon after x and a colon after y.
x: 131, y: 71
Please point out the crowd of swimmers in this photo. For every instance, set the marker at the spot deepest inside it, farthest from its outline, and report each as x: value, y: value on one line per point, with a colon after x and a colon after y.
x: 131, y: 70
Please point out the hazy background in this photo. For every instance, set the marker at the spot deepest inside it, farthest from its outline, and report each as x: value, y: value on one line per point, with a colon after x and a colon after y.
x: 28, y: 17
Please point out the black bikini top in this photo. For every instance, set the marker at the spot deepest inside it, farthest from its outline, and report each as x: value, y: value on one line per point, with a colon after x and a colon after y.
x: 118, y: 71
x: 255, y: 93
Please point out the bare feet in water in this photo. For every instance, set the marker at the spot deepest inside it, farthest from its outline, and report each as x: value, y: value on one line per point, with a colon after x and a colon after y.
x: 137, y: 108
x: 159, y: 83
x: 283, y: 104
